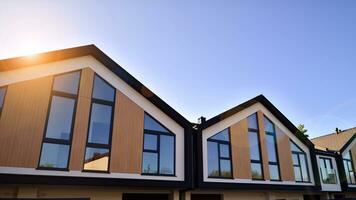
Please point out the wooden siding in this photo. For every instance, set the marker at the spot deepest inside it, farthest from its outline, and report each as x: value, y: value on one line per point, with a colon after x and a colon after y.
x: 240, y: 150
x: 22, y: 122
x: 284, y: 156
x: 81, y: 120
x: 127, y: 139
x: 263, y: 145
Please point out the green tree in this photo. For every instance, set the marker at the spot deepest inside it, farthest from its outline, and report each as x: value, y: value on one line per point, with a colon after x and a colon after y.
x: 302, y: 130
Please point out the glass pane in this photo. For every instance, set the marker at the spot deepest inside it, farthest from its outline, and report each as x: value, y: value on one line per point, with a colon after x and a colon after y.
x: 323, y: 171
x: 347, y: 156
x: 222, y: 135
x: 96, y: 159
x: 60, y: 118
x: 273, y: 172
x: 256, y: 171
x: 166, y: 160
x: 213, y: 159
x: 352, y: 176
x: 225, y: 167
x: 271, y: 148
x: 346, y: 171
x: 303, y: 165
x: 102, y: 90
x: 100, y: 122
x: 54, y: 155
x: 224, y: 150
x: 295, y: 159
x: 150, y: 142
x: 149, y: 163
x: 350, y: 165
x: 269, y: 127
x: 152, y: 124
x: 297, y: 175
x: 2, y: 96
x: 252, y: 121
x: 254, y: 147
x: 68, y: 83
x: 295, y: 147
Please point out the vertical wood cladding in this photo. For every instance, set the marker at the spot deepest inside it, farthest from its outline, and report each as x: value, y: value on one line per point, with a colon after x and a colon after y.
x: 284, y: 156
x: 127, y: 138
x: 240, y: 150
x: 81, y: 120
x: 263, y: 145
x: 22, y: 122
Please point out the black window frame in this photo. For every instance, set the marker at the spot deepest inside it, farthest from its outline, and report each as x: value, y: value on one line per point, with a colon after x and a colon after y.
x: 347, y: 173
x: 257, y: 131
x: 3, y: 102
x: 299, y: 163
x: 323, y: 160
x: 274, y: 135
x: 60, y: 141
x: 218, y: 142
x: 98, y: 145
x: 158, y: 148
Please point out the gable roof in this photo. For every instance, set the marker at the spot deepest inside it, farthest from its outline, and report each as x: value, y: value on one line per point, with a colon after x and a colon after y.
x: 265, y: 102
x: 92, y: 50
x: 335, y: 141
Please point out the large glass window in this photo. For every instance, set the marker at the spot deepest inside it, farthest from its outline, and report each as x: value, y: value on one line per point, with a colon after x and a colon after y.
x: 327, y: 170
x: 271, y: 149
x: 349, y: 168
x: 58, y: 133
x: 158, y: 149
x: 97, y: 153
x: 255, y: 149
x: 2, y: 97
x: 300, y: 164
x: 219, y: 155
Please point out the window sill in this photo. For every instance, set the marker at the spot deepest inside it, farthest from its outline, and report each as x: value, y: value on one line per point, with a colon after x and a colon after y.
x: 169, y: 175
x: 52, y: 169
x: 96, y: 171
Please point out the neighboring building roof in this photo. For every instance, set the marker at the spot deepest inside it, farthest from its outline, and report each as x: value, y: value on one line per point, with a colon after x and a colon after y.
x: 265, y: 102
x: 63, y: 54
x: 335, y: 141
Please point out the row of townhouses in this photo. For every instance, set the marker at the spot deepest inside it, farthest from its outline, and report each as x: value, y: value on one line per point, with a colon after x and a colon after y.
x: 76, y: 125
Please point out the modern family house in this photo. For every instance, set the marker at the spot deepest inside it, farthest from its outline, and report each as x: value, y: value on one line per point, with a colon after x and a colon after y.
x: 341, y: 147
x: 76, y: 125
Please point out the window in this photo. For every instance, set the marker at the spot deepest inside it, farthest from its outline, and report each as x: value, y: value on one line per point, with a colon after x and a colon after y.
x: 349, y: 168
x: 219, y: 155
x: 158, y: 149
x: 2, y: 97
x: 328, y: 173
x: 58, y: 132
x: 301, y: 171
x: 271, y: 149
x: 255, y: 149
x: 97, y: 151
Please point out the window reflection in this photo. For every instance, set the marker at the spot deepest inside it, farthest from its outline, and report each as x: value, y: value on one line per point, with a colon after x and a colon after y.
x: 96, y: 159
x: 300, y: 164
x: 254, y: 146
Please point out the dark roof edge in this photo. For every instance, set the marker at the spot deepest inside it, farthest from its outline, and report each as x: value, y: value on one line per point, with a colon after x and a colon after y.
x: 265, y: 102
x: 348, y: 143
x: 57, y: 55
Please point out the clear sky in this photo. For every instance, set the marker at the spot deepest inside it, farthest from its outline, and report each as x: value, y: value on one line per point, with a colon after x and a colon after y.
x: 204, y: 57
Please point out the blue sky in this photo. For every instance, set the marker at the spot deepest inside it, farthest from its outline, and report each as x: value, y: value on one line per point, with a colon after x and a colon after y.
x: 204, y: 57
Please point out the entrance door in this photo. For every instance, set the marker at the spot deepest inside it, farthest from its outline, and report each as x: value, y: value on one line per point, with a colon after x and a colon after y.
x: 126, y: 196
x: 206, y: 197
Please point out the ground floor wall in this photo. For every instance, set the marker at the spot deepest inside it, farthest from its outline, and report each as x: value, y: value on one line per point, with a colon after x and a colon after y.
x: 93, y: 193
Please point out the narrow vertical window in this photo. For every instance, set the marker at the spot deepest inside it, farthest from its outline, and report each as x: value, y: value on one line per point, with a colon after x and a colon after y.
x: 97, y: 152
x: 255, y: 149
x: 158, y: 149
x: 2, y: 98
x: 299, y: 157
x: 219, y: 155
x: 271, y: 141
x: 58, y: 132
x: 349, y: 168
x: 327, y: 170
